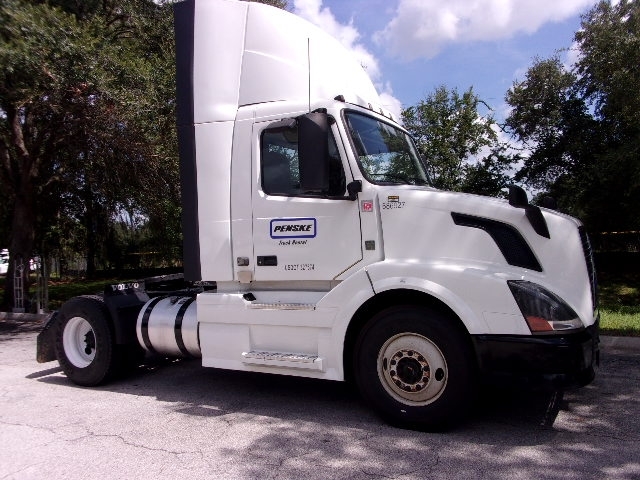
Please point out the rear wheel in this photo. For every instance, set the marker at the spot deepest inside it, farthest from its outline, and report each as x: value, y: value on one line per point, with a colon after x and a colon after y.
x: 415, y: 368
x: 84, y: 341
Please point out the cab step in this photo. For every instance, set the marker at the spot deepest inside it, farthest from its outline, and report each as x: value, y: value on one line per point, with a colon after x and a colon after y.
x: 280, y: 359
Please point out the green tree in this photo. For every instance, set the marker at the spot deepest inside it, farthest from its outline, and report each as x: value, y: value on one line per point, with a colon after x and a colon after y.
x: 609, y: 79
x: 86, y: 123
x: 607, y: 70
x: 30, y: 95
x: 87, y: 127
x: 460, y: 145
x: 274, y: 3
x: 582, y: 126
x: 490, y: 176
x: 552, y: 122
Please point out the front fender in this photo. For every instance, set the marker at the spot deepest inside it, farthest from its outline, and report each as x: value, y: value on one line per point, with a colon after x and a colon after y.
x: 346, y: 298
x: 478, y: 296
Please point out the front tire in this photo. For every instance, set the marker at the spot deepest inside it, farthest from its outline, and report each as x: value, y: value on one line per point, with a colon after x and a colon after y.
x: 84, y: 341
x: 415, y: 368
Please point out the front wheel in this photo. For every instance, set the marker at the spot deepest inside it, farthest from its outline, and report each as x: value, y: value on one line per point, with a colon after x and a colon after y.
x: 84, y: 341
x: 415, y: 368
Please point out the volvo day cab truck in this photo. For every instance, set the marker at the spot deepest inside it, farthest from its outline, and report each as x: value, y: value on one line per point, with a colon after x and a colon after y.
x: 308, y: 207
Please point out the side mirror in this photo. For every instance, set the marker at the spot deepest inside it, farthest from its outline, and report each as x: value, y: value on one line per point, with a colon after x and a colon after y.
x: 353, y: 188
x: 313, y: 151
x: 517, y: 197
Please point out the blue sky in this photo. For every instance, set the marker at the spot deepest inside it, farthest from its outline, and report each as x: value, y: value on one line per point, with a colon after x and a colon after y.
x: 409, y: 47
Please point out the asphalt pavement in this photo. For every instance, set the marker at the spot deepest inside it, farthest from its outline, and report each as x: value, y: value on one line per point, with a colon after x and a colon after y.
x: 175, y: 419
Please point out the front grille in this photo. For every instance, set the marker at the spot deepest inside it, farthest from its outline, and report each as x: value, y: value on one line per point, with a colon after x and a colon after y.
x: 591, y: 264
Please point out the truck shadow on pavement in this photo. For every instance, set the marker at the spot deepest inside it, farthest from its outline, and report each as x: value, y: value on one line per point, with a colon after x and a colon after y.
x: 300, y: 427
x: 13, y: 329
x: 209, y: 392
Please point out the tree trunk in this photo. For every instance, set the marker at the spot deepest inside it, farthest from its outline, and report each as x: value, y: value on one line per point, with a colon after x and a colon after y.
x: 20, y: 174
x: 21, y: 240
x: 91, y: 227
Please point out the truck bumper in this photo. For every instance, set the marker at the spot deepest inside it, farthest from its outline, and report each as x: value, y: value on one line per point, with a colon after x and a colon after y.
x: 558, y: 360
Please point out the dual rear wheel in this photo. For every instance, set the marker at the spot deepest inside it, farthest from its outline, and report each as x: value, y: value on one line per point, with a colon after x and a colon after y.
x: 85, y: 343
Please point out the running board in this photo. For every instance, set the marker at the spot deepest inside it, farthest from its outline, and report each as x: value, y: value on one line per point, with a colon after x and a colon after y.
x: 277, y: 359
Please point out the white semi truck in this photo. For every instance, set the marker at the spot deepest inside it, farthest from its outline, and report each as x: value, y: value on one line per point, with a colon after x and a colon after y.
x: 309, y: 209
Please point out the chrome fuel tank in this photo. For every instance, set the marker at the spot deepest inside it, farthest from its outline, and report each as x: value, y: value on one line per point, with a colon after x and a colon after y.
x: 169, y: 326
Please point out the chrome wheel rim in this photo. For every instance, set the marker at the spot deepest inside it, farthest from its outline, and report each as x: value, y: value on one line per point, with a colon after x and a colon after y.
x: 412, y: 369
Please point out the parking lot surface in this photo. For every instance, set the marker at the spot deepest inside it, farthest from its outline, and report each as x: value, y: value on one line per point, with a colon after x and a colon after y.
x: 175, y: 419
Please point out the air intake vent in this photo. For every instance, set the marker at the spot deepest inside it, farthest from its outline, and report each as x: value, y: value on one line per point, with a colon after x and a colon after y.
x: 509, y: 240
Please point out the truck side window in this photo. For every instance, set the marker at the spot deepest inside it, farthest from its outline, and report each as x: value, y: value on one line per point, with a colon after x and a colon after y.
x: 279, y: 164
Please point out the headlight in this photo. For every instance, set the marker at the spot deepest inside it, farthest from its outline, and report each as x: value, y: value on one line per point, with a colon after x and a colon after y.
x: 543, y: 310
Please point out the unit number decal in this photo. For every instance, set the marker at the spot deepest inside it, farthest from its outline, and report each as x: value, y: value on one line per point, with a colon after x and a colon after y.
x: 392, y: 205
x: 300, y: 267
x: 393, y: 202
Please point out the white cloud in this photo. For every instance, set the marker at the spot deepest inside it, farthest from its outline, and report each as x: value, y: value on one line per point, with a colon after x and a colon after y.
x: 391, y: 103
x: 422, y: 28
x: 348, y: 36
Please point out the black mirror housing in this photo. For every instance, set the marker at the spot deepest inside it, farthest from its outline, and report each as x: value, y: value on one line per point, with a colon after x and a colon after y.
x: 517, y: 197
x: 313, y: 151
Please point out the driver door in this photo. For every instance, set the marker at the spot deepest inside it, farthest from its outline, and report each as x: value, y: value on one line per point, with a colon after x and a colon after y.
x: 298, y: 235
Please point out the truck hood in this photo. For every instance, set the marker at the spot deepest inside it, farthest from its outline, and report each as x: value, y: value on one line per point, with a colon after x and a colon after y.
x: 427, y: 226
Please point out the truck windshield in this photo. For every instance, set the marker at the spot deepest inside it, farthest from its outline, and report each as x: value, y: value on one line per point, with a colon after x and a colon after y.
x: 386, y: 154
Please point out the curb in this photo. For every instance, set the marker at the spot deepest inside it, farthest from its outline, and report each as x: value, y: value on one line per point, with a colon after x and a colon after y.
x: 23, y: 317
x: 620, y: 343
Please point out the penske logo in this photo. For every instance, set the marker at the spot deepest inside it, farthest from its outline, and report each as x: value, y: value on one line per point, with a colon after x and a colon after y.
x: 293, y: 228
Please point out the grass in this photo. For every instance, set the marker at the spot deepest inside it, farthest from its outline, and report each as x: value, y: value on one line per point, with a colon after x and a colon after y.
x: 620, y: 304
x: 619, y: 299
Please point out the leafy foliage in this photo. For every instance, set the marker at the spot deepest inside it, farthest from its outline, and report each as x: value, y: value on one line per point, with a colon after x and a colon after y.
x: 86, y: 129
x: 461, y: 146
x: 88, y: 149
x: 555, y: 125
x: 582, y: 125
x: 274, y: 3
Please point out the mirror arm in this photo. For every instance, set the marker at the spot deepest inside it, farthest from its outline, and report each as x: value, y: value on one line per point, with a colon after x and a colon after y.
x: 352, y: 189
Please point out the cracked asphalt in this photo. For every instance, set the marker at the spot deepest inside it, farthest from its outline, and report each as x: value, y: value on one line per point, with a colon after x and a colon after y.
x: 175, y: 419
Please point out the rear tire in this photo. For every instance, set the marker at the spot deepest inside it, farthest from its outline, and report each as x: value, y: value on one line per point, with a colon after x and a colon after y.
x: 415, y: 368
x: 84, y: 341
